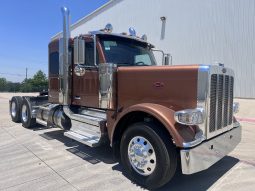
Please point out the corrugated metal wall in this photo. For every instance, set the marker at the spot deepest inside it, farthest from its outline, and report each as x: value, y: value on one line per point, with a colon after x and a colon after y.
x: 196, y: 31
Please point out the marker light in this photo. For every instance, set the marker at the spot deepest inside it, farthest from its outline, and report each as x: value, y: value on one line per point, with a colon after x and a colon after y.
x: 108, y: 28
x: 235, y: 107
x: 132, y: 31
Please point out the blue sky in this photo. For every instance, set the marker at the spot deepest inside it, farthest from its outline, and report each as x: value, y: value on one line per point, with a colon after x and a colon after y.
x: 26, y: 28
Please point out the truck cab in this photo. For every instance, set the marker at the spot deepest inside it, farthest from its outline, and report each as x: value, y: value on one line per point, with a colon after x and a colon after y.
x: 99, y: 48
x: 106, y: 88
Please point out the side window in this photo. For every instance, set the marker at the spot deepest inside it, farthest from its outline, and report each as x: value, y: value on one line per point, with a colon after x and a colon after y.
x: 54, y: 63
x: 89, y: 54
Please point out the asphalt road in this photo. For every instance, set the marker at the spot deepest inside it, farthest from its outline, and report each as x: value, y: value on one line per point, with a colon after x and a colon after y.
x: 43, y: 159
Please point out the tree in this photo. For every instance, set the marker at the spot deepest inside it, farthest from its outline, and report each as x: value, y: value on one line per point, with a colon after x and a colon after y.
x: 13, y: 86
x: 3, y: 84
x: 26, y: 86
x: 38, y: 83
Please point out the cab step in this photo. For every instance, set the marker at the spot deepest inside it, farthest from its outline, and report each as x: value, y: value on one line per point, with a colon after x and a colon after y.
x: 93, y: 112
x: 85, y: 138
x: 92, y: 120
x: 88, y: 127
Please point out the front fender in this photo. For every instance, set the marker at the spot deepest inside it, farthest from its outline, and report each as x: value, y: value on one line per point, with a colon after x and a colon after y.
x: 179, y: 133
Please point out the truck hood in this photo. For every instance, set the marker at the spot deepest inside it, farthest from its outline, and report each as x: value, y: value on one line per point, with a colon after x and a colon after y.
x: 172, y: 86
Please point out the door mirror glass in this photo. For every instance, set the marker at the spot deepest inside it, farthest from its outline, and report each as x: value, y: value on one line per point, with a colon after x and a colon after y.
x: 79, y: 51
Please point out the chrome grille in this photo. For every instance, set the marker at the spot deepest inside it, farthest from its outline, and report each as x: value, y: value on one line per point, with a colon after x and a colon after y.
x: 221, y: 101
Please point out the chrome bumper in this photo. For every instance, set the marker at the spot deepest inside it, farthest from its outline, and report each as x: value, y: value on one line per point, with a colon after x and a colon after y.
x: 207, y: 153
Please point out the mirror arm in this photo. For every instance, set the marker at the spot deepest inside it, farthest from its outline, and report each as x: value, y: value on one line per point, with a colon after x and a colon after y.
x: 166, y: 57
x: 163, y: 54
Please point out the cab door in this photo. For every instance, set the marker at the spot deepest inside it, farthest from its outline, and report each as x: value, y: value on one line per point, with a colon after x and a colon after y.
x: 85, y: 89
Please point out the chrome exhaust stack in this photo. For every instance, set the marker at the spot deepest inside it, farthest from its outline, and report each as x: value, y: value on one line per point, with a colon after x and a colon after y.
x: 64, y: 65
x: 85, y: 128
x: 64, y: 61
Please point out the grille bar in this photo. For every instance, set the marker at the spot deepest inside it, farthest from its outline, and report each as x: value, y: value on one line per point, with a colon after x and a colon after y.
x: 231, y: 96
x: 213, y: 95
x: 226, y: 102
x: 221, y: 101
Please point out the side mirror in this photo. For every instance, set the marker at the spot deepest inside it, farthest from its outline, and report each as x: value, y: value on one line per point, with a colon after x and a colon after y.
x: 79, y: 56
x: 79, y: 51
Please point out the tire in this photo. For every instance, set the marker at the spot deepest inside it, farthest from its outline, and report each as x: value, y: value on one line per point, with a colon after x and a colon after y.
x: 159, y: 153
x: 26, y: 118
x: 15, y: 108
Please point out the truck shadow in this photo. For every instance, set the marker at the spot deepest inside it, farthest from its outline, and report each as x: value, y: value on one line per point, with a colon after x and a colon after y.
x: 91, y: 155
x: 199, y: 181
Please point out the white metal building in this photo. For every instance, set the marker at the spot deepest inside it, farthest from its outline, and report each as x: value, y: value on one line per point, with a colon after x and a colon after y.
x: 194, y: 32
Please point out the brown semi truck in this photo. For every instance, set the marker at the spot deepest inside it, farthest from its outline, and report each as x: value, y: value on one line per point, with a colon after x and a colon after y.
x: 106, y: 88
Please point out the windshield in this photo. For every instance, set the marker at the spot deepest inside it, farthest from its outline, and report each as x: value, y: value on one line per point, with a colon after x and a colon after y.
x: 126, y: 52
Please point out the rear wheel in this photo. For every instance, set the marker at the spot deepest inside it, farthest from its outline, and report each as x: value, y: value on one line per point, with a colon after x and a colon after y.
x: 15, y: 107
x: 26, y: 116
x: 148, y: 155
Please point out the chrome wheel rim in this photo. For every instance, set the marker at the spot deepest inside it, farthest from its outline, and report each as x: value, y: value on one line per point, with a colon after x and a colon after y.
x: 24, y: 113
x: 13, y: 109
x: 142, y: 156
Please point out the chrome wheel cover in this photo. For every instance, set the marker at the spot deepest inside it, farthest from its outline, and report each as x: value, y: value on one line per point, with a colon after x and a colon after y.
x: 13, y: 109
x: 24, y: 113
x: 142, y: 156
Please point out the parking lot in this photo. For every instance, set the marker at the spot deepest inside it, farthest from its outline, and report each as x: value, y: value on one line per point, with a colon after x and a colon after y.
x: 43, y: 159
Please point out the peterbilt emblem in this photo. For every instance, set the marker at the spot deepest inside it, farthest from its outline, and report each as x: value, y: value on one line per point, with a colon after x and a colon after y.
x: 158, y: 84
x: 224, y: 70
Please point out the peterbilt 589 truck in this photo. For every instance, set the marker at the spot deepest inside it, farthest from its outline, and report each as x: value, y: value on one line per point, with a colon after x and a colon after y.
x: 106, y: 88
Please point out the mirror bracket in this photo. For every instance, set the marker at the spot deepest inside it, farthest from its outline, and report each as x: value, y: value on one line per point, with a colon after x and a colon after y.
x: 166, y: 58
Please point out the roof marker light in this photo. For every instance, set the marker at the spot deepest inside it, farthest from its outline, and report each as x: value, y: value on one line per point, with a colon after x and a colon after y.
x: 132, y: 31
x: 108, y: 28
x: 144, y: 37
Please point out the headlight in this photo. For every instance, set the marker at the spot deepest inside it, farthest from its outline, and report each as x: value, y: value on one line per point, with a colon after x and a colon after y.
x: 235, y: 107
x: 190, y: 116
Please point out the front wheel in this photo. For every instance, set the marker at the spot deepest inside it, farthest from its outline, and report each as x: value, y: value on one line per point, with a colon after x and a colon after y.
x: 148, y: 155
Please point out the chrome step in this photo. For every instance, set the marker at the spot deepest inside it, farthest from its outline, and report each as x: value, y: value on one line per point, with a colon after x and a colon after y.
x: 85, y: 128
x: 93, y: 113
x: 88, y: 127
x: 85, y: 138
x: 92, y: 120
